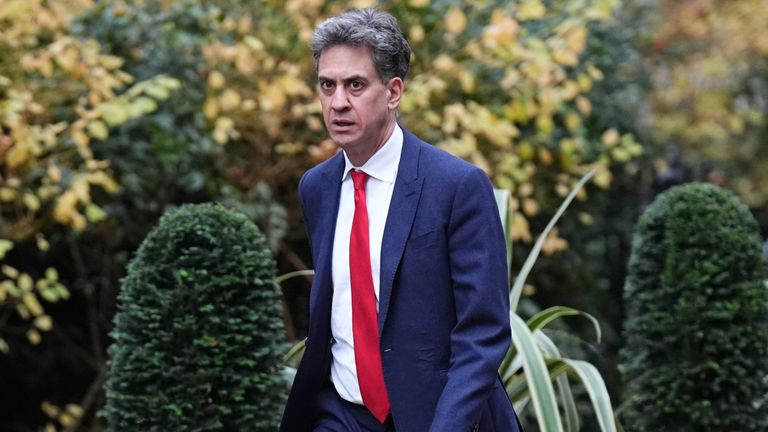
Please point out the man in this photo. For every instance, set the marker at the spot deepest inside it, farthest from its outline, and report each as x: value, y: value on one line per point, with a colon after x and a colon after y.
x: 409, y: 309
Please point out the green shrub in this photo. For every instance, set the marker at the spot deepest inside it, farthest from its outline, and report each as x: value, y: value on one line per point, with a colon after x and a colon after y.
x: 198, y: 330
x: 696, y: 331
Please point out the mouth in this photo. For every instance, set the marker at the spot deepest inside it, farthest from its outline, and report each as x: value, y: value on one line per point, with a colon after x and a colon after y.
x: 342, y: 123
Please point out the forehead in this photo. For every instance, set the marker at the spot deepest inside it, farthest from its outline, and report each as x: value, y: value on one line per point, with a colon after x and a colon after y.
x: 346, y: 60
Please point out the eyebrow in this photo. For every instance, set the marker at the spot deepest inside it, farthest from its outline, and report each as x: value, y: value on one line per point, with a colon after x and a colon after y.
x: 355, y: 77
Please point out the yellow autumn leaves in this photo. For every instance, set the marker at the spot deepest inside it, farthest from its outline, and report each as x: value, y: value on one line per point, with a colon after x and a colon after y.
x: 708, y: 91
x: 483, y: 85
x: 48, y: 167
x: 66, y: 416
x: 528, y: 121
x: 22, y: 292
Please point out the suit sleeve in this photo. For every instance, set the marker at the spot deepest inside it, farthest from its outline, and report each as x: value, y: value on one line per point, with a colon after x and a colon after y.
x: 481, y: 336
x: 303, y: 205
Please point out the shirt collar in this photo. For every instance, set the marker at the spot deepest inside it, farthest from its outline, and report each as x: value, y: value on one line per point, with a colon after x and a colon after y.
x: 383, y: 164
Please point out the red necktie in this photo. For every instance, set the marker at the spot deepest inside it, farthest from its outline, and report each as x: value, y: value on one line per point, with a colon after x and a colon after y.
x: 365, y: 328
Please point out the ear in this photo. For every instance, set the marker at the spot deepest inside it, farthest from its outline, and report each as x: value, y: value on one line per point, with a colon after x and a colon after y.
x: 395, y: 89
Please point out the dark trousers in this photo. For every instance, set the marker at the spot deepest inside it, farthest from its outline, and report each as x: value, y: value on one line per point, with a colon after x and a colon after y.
x: 335, y: 414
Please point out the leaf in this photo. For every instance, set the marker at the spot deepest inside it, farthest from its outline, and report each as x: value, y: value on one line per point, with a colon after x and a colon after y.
x: 211, y: 108
x: 294, y: 355
x: 284, y: 277
x: 17, y: 155
x: 101, y: 178
x: 9, y: 271
x: 603, y: 177
x: 572, y: 423
x: 517, y: 287
x: 577, y: 39
x: 610, y: 137
x: 111, y: 62
x: 598, y: 393
x: 31, y: 201
x: 8, y: 194
x: 537, y: 376
x: 455, y: 21
x: 563, y: 385
x: 44, y: 323
x: 97, y: 129
x: 25, y: 282
x: 32, y: 304
x: 34, y: 336
x: 566, y: 57
x: 113, y: 113
x: 502, y: 203
x: 168, y: 82
x: 220, y: 136
x: 143, y: 105
x: 5, y: 246
x: 541, y: 319
x: 229, y: 100
x: 50, y: 295
x: 10, y: 288
x: 94, y: 213
x: 584, y: 105
x: 530, y: 10
x: 520, y: 228
x: 158, y: 91
x: 589, y: 377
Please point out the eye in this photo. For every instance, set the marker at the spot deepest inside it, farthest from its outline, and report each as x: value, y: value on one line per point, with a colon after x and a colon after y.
x: 326, y: 85
x: 356, y: 85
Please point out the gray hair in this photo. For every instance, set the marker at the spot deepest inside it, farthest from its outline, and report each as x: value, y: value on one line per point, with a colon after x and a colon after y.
x: 370, y: 28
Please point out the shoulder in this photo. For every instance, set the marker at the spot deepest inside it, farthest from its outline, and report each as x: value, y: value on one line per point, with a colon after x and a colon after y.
x: 321, y: 172
x: 440, y: 166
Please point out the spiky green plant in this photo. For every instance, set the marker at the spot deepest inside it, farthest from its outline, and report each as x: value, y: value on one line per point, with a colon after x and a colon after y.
x: 534, y: 370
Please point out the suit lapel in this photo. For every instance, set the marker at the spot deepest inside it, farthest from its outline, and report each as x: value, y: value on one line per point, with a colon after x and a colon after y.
x: 326, y: 228
x: 402, y: 210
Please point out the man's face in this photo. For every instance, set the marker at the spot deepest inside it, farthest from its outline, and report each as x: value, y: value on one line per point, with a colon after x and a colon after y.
x: 358, y: 109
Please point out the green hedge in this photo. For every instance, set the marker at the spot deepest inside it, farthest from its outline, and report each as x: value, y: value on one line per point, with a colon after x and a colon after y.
x: 198, y: 333
x: 696, y: 330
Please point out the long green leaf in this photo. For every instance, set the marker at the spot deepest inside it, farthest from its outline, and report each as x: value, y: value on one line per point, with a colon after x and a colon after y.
x: 572, y: 423
x: 283, y: 277
x: 512, y: 365
x: 537, y: 375
x: 517, y: 287
x: 522, y: 404
x: 598, y: 394
x: 517, y: 387
x: 563, y: 385
x: 507, y: 368
x: 502, y: 202
x: 293, y: 356
x: 541, y: 319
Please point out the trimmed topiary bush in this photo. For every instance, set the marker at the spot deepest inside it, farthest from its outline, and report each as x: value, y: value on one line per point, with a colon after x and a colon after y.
x: 198, y: 332
x: 696, y: 331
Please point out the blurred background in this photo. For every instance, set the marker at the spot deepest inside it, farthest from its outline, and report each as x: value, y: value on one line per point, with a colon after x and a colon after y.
x: 112, y: 112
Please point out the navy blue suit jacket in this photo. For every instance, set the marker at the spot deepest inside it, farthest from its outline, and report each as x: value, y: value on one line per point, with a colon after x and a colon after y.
x: 443, y: 303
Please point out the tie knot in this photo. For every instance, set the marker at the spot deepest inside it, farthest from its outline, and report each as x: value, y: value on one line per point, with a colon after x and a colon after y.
x: 359, y: 178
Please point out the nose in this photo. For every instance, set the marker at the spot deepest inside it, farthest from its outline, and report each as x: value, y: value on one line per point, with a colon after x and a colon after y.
x: 339, y: 100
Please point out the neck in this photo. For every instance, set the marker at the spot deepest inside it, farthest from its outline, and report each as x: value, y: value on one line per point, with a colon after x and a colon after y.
x: 359, y: 159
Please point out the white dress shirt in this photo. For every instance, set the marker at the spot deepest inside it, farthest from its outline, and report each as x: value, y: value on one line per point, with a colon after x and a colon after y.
x: 382, y: 171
